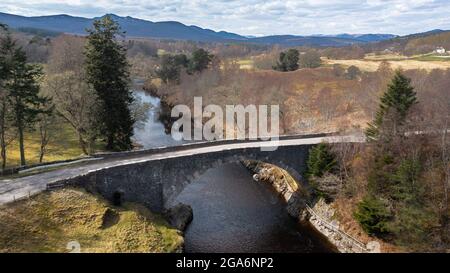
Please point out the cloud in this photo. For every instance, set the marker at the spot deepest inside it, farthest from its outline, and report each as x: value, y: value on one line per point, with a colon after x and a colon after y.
x: 255, y: 17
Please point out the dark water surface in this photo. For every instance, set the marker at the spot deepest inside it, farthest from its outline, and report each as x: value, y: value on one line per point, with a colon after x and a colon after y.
x: 233, y: 213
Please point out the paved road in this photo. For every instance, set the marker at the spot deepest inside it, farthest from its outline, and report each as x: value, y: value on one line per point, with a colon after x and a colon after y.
x: 22, y: 187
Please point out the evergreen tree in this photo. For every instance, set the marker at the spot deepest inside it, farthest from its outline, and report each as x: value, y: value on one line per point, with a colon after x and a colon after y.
x: 199, y: 61
x: 373, y: 215
x: 23, y: 91
x: 107, y: 71
x: 288, y: 61
x: 170, y: 68
x: 353, y: 72
x: 394, y: 106
x: 6, y: 45
x: 320, y: 161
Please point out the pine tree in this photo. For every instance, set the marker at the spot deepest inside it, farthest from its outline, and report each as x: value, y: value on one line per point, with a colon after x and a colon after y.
x: 373, y: 215
x: 394, y: 106
x: 107, y: 71
x: 320, y: 161
x: 288, y: 61
x: 6, y: 43
x: 199, y: 61
x: 23, y: 92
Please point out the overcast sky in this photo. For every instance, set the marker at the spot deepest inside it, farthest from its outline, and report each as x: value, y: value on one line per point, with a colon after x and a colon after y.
x: 258, y: 17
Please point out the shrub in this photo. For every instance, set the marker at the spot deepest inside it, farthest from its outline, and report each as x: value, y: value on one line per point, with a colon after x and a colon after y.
x: 310, y: 59
x: 338, y: 70
x: 373, y: 216
x: 353, y: 72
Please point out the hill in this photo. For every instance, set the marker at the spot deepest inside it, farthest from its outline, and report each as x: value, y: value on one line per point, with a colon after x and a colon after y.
x: 175, y: 30
x: 419, y: 43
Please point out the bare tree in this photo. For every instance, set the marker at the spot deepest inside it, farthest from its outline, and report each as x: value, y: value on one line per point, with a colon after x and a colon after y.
x: 74, y: 99
x: 66, y: 54
x: 76, y: 102
x: 45, y: 126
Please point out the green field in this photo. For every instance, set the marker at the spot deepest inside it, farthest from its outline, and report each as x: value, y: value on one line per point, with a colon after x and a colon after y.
x: 63, y: 145
x: 432, y: 58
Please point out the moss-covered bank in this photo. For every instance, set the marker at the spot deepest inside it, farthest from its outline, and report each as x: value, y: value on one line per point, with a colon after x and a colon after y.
x: 49, y: 221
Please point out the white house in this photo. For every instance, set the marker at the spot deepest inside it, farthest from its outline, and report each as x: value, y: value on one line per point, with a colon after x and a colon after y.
x: 439, y: 50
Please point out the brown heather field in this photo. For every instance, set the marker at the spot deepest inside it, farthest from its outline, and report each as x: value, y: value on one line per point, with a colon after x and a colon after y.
x: 372, y: 65
x: 310, y: 100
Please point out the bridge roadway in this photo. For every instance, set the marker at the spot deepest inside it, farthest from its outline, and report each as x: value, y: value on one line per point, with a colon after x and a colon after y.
x: 13, y: 189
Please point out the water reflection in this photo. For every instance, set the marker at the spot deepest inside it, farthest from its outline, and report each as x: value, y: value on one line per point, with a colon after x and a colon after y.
x: 151, y: 134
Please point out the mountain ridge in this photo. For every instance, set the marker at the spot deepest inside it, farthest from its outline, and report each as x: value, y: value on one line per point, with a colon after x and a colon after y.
x: 140, y: 28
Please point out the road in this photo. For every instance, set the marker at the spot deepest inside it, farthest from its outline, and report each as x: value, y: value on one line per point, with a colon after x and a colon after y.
x: 13, y: 189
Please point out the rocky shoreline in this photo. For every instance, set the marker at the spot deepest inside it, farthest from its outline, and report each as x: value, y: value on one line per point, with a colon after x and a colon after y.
x: 166, y: 108
x: 320, y: 215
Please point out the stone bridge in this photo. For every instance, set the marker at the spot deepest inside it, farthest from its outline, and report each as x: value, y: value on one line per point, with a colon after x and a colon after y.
x: 154, y: 177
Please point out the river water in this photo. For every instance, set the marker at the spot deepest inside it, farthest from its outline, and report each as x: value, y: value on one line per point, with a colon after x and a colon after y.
x: 232, y: 212
x: 152, y: 133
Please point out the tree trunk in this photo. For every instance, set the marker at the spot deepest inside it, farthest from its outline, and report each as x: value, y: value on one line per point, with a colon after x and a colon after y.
x: 3, y: 150
x: 21, y: 146
x: 2, y: 134
x: 2, y: 141
x: 82, y: 144
x: 44, y: 139
x: 91, y: 146
x: 110, y: 142
x: 42, y: 150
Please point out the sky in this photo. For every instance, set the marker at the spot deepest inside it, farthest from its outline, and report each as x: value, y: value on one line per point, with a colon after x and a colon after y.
x: 259, y: 17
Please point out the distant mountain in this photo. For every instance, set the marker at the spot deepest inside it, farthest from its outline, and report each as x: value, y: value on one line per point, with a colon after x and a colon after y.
x: 314, y: 41
x: 424, y: 34
x: 418, y: 43
x: 132, y: 26
x: 175, y: 30
x: 366, y: 37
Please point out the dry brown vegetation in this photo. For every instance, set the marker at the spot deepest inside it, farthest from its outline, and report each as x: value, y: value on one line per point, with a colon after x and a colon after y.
x: 372, y: 65
x: 311, y: 100
x: 300, y: 94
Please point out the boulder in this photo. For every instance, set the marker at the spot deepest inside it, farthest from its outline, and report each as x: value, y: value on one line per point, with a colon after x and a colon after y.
x: 179, y: 216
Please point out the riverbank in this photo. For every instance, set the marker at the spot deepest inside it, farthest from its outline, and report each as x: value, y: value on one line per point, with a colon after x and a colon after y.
x: 318, y: 213
x: 165, y: 106
x: 49, y: 221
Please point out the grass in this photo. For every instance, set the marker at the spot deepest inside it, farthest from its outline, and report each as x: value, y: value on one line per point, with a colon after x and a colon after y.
x: 409, y: 64
x: 63, y: 145
x: 371, y: 62
x: 49, y: 221
x: 432, y: 58
x: 245, y: 63
x: 160, y: 52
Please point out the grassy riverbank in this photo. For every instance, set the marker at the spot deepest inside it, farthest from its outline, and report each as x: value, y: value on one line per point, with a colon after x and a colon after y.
x: 50, y: 220
x: 63, y: 145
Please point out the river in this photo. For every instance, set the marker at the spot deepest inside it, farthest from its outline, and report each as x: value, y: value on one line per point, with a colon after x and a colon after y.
x: 232, y: 212
x: 152, y: 133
